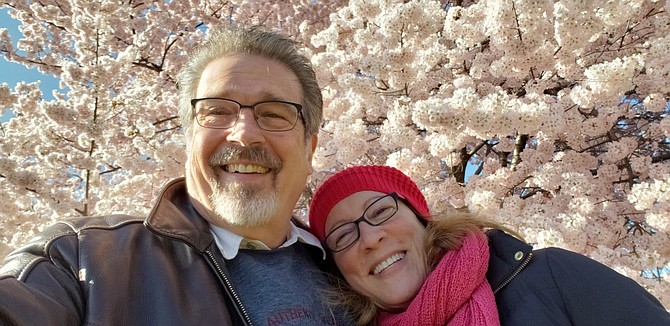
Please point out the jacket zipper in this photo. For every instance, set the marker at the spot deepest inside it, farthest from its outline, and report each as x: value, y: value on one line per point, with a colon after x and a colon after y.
x: 230, y: 287
x: 516, y: 272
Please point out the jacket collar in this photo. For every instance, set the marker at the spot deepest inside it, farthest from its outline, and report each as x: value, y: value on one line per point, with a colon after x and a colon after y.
x: 509, y: 256
x: 174, y: 216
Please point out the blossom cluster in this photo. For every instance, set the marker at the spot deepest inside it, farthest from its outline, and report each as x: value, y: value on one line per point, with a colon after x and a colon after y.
x: 546, y: 116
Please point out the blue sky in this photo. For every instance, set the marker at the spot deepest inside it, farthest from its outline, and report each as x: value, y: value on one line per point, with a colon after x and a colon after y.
x: 12, y: 73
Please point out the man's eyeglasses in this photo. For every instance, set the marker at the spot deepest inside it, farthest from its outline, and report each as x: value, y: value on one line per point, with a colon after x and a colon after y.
x: 222, y: 113
x: 378, y: 212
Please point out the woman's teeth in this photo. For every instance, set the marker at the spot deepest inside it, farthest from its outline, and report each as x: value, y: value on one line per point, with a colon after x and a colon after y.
x: 388, y: 262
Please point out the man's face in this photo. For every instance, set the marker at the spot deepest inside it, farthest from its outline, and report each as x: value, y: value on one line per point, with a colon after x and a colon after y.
x: 244, y: 176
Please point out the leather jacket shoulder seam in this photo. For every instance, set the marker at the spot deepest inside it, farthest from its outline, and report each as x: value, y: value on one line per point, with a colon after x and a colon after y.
x: 27, y: 267
x: 72, y: 230
x: 77, y: 229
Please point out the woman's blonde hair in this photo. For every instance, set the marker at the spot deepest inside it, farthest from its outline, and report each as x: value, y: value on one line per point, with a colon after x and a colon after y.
x: 444, y: 233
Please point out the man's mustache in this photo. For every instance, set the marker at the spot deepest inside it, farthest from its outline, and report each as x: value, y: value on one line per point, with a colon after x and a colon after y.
x: 256, y: 155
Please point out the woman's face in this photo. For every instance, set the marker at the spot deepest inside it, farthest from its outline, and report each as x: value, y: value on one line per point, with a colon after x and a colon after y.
x: 388, y: 262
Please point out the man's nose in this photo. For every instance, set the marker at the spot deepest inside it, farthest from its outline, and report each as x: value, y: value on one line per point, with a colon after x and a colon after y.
x: 246, y: 131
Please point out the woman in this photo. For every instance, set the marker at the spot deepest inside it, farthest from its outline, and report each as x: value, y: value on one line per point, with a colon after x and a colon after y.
x: 399, y: 266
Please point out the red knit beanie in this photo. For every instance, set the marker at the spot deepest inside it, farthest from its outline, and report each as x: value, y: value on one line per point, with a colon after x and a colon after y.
x: 360, y: 178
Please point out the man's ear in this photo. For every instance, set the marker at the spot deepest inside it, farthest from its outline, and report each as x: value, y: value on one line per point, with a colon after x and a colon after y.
x: 310, y: 156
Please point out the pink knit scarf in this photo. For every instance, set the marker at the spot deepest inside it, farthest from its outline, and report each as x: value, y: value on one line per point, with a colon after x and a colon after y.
x: 455, y: 293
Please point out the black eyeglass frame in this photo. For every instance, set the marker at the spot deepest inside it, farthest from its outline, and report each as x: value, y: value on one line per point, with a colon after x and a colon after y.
x: 362, y: 218
x: 298, y: 107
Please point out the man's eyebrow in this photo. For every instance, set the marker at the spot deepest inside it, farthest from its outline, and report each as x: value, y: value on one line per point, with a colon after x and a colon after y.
x: 270, y: 96
x: 264, y: 95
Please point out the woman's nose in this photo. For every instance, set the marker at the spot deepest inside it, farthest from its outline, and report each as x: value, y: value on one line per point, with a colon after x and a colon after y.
x: 370, y: 236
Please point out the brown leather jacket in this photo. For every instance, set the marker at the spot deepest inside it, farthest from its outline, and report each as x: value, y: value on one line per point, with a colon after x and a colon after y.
x: 122, y: 270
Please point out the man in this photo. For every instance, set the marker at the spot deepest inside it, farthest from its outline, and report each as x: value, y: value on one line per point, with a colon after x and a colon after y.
x: 218, y: 247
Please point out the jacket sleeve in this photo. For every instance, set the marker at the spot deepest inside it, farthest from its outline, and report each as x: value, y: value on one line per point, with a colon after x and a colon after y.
x: 39, y: 283
x: 594, y: 294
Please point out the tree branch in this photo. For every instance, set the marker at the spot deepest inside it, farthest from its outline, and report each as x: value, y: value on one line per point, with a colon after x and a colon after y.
x: 519, y: 146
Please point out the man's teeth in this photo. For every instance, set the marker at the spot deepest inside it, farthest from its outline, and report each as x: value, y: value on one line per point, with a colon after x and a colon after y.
x: 245, y: 168
x: 383, y: 265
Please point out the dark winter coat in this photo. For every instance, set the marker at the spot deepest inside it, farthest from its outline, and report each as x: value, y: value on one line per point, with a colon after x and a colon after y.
x: 558, y: 287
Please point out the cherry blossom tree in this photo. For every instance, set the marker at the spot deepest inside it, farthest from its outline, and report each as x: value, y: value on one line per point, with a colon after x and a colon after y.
x: 549, y: 116
x: 558, y: 109
x: 111, y: 138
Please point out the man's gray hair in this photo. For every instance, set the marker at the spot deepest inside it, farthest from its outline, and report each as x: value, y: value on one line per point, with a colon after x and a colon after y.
x: 255, y: 40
